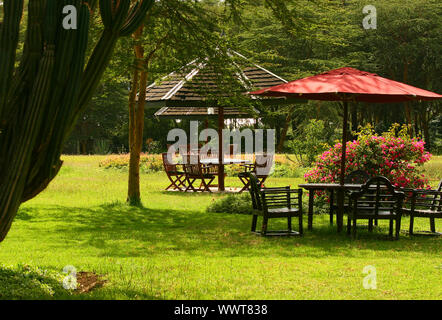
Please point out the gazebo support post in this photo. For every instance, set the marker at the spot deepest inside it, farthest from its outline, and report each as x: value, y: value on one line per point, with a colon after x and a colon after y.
x: 341, y: 195
x: 220, y: 149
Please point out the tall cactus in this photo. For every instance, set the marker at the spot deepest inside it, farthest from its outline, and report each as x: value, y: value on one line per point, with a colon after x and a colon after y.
x: 42, y: 97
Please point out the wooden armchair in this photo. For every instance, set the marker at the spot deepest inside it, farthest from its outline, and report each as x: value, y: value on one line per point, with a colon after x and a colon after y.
x: 275, y: 203
x: 199, y: 171
x: 426, y: 204
x: 176, y: 177
x: 261, y: 168
x: 377, y: 199
x: 355, y: 177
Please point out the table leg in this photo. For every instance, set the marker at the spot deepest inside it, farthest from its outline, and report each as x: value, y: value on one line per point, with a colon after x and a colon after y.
x: 311, y: 194
x: 340, y: 211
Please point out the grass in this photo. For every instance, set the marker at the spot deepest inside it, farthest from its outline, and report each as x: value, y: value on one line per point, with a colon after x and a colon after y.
x: 171, y: 248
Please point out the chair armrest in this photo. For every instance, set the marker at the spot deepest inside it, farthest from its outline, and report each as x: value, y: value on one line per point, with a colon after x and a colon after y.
x: 248, y: 167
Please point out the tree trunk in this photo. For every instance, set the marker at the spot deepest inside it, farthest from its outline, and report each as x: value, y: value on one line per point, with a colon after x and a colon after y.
x: 288, y: 119
x: 354, y: 120
x: 136, y: 122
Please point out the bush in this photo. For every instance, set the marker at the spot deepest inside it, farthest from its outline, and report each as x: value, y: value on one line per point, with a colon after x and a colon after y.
x: 281, y: 168
x: 310, y: 142
x: 233, y: 203
x: 394, y: 155
x: 148, y: 162
x: 25, y: 282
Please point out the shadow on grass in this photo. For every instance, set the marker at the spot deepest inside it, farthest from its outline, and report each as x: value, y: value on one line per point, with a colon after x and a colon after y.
x: 122, y: 231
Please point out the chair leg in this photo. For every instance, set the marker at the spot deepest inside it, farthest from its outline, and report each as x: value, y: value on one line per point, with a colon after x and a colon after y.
x: 432, y: 225
x: 254, y: 221
x: 370, y: 225
x: 264, y: 225
x: 348, y: 225
x: 246, y: 183
x: 354, y: 228
x: 398, y: 228
x: 191, y: 187
x: 289, y: 224
x: 411, y: 225
x: 390, y: 232
x: 331, y: 206
x: 206, y: 185
x: 301, y: 229
x: 376, y: 222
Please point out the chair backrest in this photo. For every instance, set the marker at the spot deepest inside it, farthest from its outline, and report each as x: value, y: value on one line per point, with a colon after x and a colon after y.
x: 427, y: 200
x: 168, y: 166
x: 263, y: 164
x: 377, y: 195
x: 357, y: 177
x: 254, y: 190
x: 193, y: 169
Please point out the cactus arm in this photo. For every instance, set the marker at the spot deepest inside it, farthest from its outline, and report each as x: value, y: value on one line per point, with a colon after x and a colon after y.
x: 136, y: 18
x: 9, y: 35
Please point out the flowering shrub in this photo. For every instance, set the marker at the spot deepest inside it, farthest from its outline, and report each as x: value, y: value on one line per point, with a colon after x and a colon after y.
x: 394, y: 155
x: 148, y: 162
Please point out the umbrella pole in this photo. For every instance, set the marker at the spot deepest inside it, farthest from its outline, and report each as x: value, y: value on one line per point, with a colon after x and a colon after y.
x: 344, y: 143
x: 341, y: 195
x: 220, y: 149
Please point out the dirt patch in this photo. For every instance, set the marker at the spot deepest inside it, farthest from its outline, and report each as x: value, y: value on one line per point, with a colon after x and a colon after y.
x: 87, y: 281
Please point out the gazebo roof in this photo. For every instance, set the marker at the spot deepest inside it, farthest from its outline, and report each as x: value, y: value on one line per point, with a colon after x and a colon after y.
x: 203, y: 112
x: 184, y: 88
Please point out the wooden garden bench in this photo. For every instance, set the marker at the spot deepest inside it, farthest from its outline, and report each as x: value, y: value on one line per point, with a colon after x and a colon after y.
x: 425, y: 204
x: 272, y: 203
x: 377, y: 199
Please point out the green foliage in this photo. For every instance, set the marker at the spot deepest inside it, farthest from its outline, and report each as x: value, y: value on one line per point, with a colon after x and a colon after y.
x: 24, y: 282
x: 148, y: 162
x: 394, y: 155
x: 232, y: 203
x: 310, y: 142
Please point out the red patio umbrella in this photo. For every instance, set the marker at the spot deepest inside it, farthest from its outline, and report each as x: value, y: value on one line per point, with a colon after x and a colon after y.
x: 348, y: 84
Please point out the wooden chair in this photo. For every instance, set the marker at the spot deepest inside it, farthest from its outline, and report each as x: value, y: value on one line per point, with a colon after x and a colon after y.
x: 377, y: 199
x: 199, y: 171
x: 426, y: 204
x: 261, y: 168
x: 176, y: 177
x: 275, y: 203
x: 355, y: 177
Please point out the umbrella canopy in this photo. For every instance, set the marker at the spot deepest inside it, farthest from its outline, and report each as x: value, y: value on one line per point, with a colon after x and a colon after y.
x: 349, y: 84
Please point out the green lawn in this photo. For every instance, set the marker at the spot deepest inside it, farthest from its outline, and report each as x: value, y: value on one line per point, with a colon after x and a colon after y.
x: 173, y: 249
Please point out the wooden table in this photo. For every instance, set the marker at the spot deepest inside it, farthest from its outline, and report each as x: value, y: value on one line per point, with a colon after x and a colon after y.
x: 312, y: 187
x: 226, y: 161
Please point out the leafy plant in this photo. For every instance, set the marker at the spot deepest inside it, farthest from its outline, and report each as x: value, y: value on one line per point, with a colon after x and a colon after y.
x: 27, y: 282
x: 233, y: 203
x: 394, y: 155
x: 310, y: 142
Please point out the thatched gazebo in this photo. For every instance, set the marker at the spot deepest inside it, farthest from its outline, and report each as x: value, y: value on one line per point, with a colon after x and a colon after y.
x: 195, y: 92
